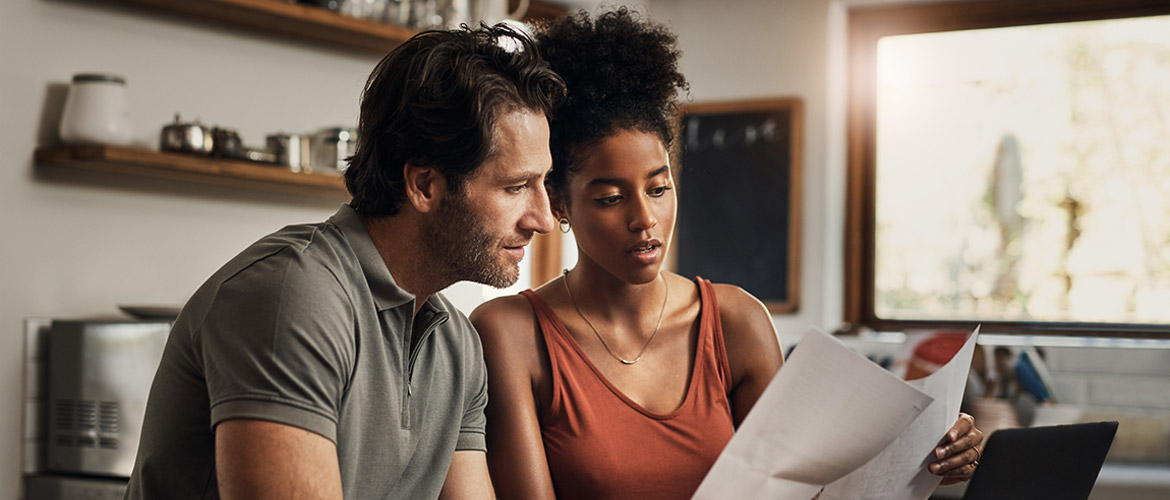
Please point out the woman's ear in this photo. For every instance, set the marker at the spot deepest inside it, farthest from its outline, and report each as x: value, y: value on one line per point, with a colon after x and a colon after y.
x: 424, y: 187
x: 556, y: 202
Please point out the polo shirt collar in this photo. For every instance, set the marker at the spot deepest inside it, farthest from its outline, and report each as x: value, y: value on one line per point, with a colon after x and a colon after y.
x: 387, y: 294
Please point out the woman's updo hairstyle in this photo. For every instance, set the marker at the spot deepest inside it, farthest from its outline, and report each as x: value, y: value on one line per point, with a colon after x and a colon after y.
x: 620, y: 72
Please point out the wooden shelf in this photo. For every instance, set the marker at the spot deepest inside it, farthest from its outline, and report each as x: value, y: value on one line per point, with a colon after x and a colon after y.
x: 279, y: 17
x: 191, y: 168
x: 305, y: 22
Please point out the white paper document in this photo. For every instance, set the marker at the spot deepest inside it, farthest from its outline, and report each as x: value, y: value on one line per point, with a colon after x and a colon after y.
x: 899, y: 472
x: 828, y: 411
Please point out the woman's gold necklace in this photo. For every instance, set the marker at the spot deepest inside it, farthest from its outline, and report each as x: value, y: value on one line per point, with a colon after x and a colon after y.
x: 665, y: 295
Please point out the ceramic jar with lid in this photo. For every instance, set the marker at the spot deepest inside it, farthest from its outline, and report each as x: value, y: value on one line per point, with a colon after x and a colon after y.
x: 96, y: 111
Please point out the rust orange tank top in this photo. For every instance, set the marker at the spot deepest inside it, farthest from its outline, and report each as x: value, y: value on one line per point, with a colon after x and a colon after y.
x: 602, y: 445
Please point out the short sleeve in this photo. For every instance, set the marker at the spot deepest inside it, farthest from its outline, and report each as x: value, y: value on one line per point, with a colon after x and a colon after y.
x: 472, y: 429
x: 278, y: 344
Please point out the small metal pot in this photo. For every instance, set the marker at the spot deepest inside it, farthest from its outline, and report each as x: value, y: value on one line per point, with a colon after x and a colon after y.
x: 226, y: 143
x: 331, y: 146
x: 290, y: 150
x: 182, y: 137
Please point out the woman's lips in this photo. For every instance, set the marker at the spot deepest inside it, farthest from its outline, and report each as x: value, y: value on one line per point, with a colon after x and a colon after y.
x: 646, y: 252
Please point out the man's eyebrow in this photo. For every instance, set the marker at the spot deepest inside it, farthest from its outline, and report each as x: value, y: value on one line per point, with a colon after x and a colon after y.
x: 524, y: 178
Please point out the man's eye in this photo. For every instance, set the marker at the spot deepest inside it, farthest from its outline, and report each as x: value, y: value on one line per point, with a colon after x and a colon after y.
x: 517, y: 189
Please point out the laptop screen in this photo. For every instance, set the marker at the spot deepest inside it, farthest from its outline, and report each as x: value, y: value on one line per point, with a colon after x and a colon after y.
x: 1056, y: 462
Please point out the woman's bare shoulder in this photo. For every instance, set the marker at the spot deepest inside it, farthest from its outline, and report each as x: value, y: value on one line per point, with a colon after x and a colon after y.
x: 508, y: 329
x: 508, y: 308
x: 745, y: 318
x: 737, y: 304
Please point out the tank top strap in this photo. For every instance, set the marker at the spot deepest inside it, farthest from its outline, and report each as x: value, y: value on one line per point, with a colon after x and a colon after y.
x: 552, y: 328
x: 711, y: 317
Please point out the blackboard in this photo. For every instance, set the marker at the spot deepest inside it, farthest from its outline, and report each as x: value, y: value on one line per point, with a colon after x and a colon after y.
x: 739, y: 197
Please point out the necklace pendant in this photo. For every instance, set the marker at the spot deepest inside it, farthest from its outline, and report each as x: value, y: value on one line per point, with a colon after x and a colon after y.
x: 624, y: 361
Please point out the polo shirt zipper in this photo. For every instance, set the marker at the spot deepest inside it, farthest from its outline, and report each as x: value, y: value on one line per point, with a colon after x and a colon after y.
x: 439, y: 319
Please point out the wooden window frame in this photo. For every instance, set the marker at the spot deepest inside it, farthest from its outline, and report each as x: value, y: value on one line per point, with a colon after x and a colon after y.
x: 867, y: 25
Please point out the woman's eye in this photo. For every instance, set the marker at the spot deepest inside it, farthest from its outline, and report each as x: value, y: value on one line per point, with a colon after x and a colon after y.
x: 608, y: 200
x: 659, y: 191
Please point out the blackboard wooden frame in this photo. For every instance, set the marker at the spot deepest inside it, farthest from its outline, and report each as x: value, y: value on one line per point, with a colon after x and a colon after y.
x: 715, y: 242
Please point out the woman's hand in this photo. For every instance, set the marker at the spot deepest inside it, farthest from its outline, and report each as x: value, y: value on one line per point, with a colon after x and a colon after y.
x: 959, y: 453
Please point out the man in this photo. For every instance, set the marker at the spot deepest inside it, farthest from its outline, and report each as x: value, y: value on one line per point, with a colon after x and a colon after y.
x: 321, y: 362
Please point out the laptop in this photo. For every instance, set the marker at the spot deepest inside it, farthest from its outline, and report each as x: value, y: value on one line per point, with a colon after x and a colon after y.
x: 1041, y: 463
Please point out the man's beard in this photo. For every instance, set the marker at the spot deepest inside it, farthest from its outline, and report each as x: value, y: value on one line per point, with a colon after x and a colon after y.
x: 458, y: 240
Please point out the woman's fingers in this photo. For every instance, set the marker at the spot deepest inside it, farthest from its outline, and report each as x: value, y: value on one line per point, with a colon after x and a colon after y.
x: 962, y: 427
x: 967, y: 441
x: 960, y: 464
x: 959, y: 454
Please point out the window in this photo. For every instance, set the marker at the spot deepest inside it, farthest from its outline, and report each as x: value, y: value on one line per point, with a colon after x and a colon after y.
x: 1010, y: 165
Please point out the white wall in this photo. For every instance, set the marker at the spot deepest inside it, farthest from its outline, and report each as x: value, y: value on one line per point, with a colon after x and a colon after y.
x: 77, y: 244
x: 749, y: 49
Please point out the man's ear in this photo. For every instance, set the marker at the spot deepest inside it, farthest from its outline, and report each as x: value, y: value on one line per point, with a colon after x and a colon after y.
x: 424, y: 187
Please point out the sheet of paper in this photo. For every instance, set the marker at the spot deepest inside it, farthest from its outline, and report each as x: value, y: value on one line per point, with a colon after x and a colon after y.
x: 899, y: 472
x: 828, y: 411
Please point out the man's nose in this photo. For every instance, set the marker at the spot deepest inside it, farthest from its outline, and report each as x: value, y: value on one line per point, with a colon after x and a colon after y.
x: 538, y: 216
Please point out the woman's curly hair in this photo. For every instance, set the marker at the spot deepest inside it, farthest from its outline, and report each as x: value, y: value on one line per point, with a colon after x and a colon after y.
x: 621, y: 73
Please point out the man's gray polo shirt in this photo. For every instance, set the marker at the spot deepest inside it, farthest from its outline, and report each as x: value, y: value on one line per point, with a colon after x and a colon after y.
x: 306, y: 327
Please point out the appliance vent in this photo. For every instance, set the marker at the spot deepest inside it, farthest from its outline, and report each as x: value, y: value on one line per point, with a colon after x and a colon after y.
x: 63, y: 415
x: 108, y: 417
x: 86, y: 415
x: 86, y: 424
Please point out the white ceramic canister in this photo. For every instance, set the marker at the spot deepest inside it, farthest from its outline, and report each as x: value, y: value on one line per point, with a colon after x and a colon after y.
x: 96, y: 111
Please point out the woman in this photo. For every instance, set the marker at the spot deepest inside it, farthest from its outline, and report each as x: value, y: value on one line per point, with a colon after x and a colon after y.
x: 619, y: 379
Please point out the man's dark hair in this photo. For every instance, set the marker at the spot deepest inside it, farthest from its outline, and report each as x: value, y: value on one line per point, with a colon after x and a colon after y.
x: 621, y: 71
x: 434, y: 101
